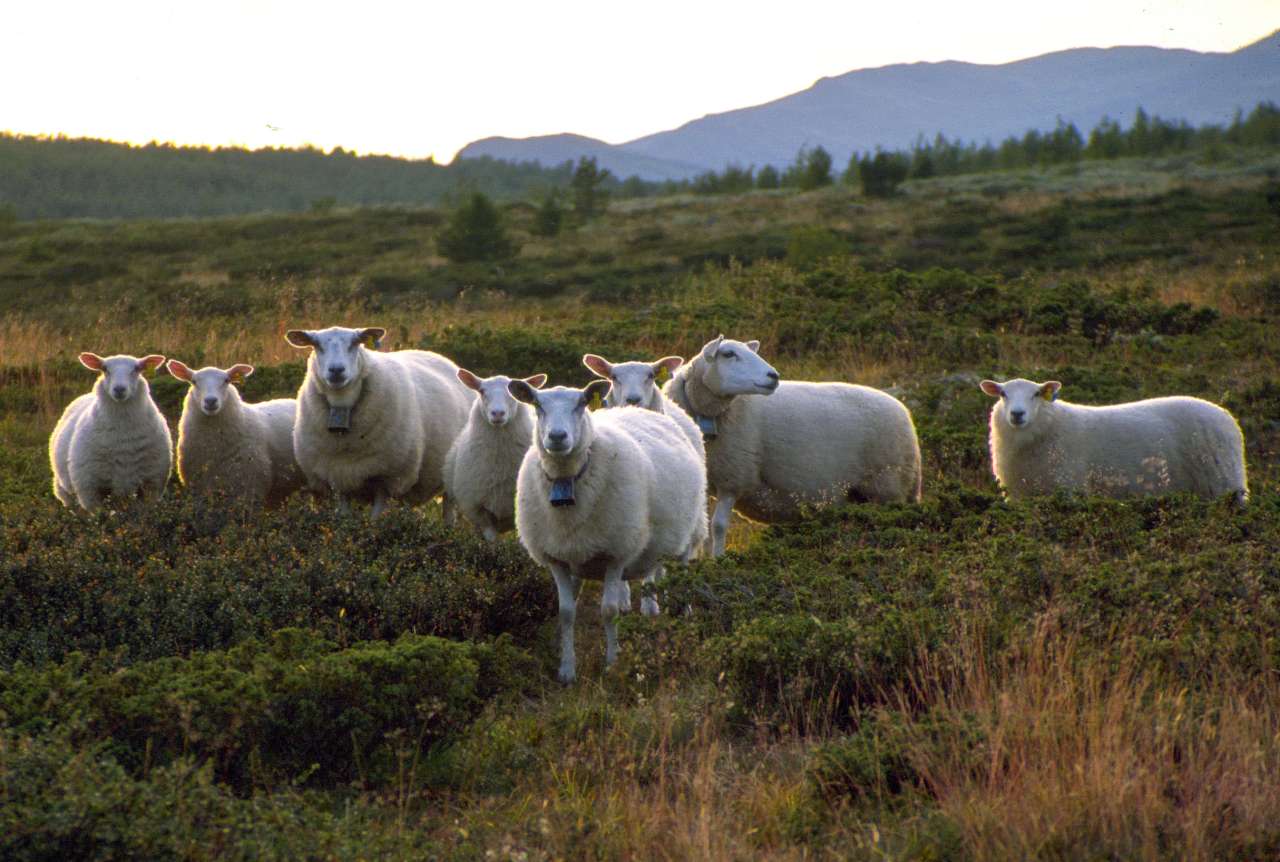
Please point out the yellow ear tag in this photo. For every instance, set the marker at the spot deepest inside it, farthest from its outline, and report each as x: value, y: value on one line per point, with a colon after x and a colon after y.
x: 663, y: 375
x: 596, y: 403
x: 237, y: 379
x: 1049, y: 394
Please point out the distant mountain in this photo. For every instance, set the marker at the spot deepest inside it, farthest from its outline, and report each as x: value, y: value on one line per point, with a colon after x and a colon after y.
x: 552, y: 150
x: 890, y: 106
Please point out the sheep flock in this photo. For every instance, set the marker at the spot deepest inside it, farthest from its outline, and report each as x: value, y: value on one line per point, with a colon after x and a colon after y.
x: 608, y: 482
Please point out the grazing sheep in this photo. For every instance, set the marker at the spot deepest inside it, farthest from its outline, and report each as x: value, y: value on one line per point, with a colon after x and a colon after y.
x: 804, y: 444
x: 636, y: 384
x: 111, y: 441
x: 375, y: 426
x: 1158, y: 446
x: 229, y: 447
x: 604, y: 496
x: 481, y: 466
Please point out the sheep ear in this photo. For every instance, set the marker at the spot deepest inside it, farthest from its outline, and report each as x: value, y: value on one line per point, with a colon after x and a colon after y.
x: 753, y: 345
x: 468, y: 379
x: 371, y: 337
x: 523, y: 392
x: 536, y: 381
x: 1049, y: 391
x: 178, y: 370
x: 709, y: 349
x: 92, y: 361
x: 300, y: 338
x: 596, y: 392
x: 995, y: 390
x: 238, y: 372
x: 663, y: 367
x: 599, y: 366
x: 150, y: 362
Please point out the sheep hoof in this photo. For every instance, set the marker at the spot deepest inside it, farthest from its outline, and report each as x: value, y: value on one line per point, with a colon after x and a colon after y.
x: 649, y: 606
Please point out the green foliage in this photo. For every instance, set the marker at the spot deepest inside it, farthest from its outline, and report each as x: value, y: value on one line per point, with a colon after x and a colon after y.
x: 550, y: 216
x: 809, y: 246
x: 475, y: 232
x: 185, y: 574
x: 291, y: 708
x: 588, y: 189
x: 811, y: 170
x: 767, y: 178
x: 880, y: 174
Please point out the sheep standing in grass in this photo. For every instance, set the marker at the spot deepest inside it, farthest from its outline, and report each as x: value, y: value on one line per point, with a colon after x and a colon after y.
x: 111, y: 441
x: 231, y: 448
x: 1158, y: 446
x: 604, y: 496
x: 774, y: 448
x: 375, y: 426
x: 636, y: 384
x: 481, y: 466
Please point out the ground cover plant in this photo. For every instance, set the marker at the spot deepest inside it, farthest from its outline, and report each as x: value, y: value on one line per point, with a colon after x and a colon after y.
x: 967, y: 678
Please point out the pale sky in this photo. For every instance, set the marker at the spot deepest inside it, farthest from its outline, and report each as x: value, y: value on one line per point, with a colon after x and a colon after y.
x: 425, y: 78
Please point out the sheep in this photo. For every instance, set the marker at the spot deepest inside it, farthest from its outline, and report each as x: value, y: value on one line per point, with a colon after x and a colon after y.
x: 1040, y: 444
x: 604, y: 496
x: 635, y: 384
x: 481, y: 465
x: 111, y: 441
x: 232, y: 448
x: 795, y: 444
x: 375, y: 426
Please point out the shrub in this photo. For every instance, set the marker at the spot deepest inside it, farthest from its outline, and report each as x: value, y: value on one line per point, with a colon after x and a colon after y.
x: 475, y: 233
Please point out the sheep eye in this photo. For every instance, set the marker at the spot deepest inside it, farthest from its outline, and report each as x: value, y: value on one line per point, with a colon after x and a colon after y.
x: 729, y: 354
x: 651, y: 375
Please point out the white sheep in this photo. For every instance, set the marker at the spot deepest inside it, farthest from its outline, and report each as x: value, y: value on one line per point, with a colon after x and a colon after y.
x: 111, y: 441
x: 229, y: 447
x: 805, y: 444
x: 604, y: 496
x: 375, y: 426
x: 481, y: 466
x: 636, y: 384
x: 1040, y: 444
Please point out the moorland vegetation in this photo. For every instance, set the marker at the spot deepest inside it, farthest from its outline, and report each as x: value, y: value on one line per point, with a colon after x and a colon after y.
x: 962, y: 678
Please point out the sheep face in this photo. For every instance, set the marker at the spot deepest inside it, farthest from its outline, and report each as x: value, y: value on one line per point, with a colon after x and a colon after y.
x: 496, y: 399
x: 634, y: 383
x: 1021, y: 401
x: 734, y: 368
x: 209, y: 385
x: 121, y: 375
x: 337, y: 353
x: 563, y: 423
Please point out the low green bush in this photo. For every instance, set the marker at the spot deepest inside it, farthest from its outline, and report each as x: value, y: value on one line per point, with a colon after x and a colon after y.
x: 295, y: 707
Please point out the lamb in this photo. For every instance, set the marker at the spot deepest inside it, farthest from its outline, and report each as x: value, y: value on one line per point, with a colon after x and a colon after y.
x: 111, y: 441
x: 1040, y: 444
x: 481, y: 466
x: 231, y: 448
x: 636, y: 384
x: 794, y: 444
x: 375, y: 426
x: 604, y: 496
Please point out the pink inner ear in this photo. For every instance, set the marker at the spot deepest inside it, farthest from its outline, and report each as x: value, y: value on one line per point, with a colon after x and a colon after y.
x: 91, y: 360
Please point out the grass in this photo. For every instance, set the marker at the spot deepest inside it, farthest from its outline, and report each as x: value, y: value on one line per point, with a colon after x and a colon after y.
x: 964, y: 679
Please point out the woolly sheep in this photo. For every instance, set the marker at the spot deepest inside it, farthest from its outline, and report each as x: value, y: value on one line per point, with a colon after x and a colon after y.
x: 796, y: 443
x: 375, y: 426
x: 604, y: 496
x: 481, y: 466
x: 1040, y: 444
x: 227, y: 446
x: 111, y: 441
x: 636, y: 384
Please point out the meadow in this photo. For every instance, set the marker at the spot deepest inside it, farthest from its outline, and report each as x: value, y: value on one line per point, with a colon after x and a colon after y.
x: 961, y: 679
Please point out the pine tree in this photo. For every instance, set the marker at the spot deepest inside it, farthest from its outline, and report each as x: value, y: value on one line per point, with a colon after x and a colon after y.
x: 475, y: 233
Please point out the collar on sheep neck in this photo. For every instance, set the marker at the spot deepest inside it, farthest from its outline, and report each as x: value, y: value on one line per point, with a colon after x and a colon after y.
x: 562, y: 489
x: 340, y: 417
x: 705, y: 406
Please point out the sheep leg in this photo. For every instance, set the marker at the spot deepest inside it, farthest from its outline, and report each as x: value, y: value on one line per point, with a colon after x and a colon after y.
x: 449, y: 512
x: 610, y: 607
x: 344, y: 504
x: 720, y: 521
x: 624, y: 597
x: 567, y: 591
x: 648, y: 604
x: 379, y: 502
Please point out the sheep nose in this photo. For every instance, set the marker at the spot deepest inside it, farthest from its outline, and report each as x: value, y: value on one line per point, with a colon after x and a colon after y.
x: 557, y: 438
x: 772, y: 375
x: 497, y: 415
x: 1016, y: 416
x: 633, y: 400
x: 336, y: 372
x: 118, y: 391
x: 210, y: 403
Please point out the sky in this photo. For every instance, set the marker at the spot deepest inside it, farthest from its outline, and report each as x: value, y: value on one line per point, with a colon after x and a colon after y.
x: 426, y: 78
